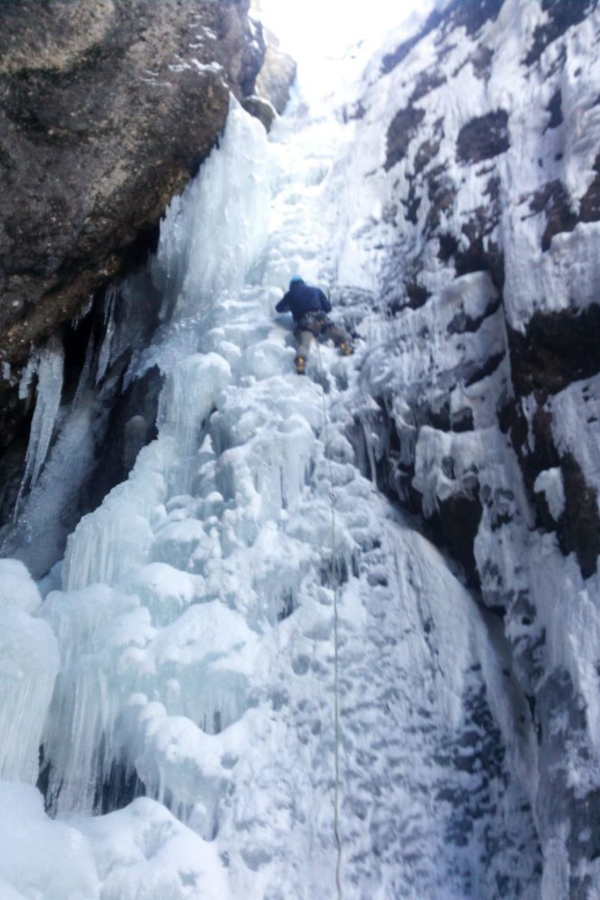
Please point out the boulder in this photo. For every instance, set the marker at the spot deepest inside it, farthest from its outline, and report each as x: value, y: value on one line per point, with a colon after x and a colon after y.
x: 276, y: 75
x: 107, y: 107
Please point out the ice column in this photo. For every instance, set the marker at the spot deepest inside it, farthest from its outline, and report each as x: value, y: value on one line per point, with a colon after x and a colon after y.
x: 210, y: 238
x: 48, y: 365
x: 215, y: 230
x: 29, y: 664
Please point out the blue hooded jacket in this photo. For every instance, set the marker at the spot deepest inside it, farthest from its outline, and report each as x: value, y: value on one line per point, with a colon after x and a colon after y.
x: 302, y: 298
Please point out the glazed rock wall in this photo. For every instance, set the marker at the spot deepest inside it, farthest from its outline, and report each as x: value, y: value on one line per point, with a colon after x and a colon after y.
x: 476, y: 232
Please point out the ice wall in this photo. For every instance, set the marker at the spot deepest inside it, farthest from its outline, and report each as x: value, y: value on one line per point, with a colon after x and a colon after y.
x: 195, y: 623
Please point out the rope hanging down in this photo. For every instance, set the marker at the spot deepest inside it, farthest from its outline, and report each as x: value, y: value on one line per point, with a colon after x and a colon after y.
x: 336, y: 691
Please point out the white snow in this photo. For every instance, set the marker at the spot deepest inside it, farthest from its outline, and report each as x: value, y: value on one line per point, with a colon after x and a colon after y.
x: 550, y: 483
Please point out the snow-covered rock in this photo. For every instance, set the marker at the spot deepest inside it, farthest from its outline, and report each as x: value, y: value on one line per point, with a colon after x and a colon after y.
x: 478, y: 151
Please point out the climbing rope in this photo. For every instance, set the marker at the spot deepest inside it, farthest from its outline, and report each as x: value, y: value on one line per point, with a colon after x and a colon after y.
x: 336, y: 691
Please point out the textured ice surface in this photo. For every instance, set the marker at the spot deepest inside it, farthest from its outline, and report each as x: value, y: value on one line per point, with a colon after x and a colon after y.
x: 449, y: 418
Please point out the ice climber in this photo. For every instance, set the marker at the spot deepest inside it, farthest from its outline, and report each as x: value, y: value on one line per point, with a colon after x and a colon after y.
x: 309, y: 307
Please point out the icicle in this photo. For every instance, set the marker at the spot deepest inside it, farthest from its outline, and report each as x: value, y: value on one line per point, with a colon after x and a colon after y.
x: 84, y: 377
x: 83, y: 312
x: 30, y: 661
x: 109, y: 332
x: 213, y: 233
x: 48, y: 365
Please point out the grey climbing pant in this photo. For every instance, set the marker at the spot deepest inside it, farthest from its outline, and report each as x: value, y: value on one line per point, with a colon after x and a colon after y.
x: 317, y: 324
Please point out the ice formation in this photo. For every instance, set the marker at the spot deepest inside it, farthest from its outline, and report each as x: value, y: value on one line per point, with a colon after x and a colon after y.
x: 189, y: 652
x: 47, y: 367
x: 29, y: 663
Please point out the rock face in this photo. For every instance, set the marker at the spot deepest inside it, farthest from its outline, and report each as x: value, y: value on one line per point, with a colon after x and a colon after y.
x: 480, y: 229
x: 107, y: 108
x: 277, y: 73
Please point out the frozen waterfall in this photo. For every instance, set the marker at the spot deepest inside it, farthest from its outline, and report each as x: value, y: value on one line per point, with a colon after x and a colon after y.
x: 189, y: 656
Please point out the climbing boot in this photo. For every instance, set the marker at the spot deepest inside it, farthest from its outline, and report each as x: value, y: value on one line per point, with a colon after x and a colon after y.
x: 300, y: 365
x: 346, y: 349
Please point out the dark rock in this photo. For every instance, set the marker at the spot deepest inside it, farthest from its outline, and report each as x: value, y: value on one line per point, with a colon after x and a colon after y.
x: 460, y: 516
x: 104, y: 116
x: 131, y: 426
x: 448, y: 245
x: 462, y: 421
x: 441, y: 190
x: 485, y: 369
x: 261, y: 109
x: 417, y: 295
x: 121, y: 421
x: 565, y: 749
x: 426, y: 153
x: 483, y: 138
x: 589, y: 207
x: 401, y: 131
x: 118, y: 788
x: 555, y: 110
x: 426, y: 82
x: 579, y: 526
x: 356, y: 112
x: 557, y: 349
x: 276, y: 75
x: 412, y: 202
x: 554, y: 200
x: 253, y: 56
x: 562, y: 14
x: 480, y: 256
x: 480, y: 253
x: 471, y: 15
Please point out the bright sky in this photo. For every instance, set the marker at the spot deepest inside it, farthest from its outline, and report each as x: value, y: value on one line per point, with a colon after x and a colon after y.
x: 320, y: 28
